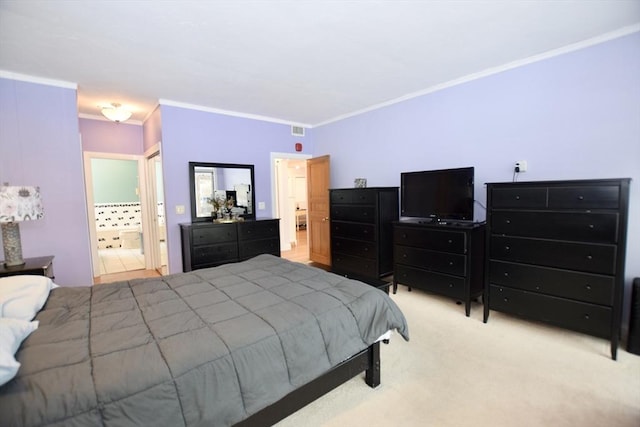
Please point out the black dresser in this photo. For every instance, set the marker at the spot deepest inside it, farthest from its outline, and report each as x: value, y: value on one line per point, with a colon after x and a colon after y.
x: 362, y: 232
x: 208, y: 244
x: 447, y: 259
x: 556, y: 253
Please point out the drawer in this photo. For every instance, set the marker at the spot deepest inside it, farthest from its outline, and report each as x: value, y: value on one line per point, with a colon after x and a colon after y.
x: 353, y: 231
x: 358, y: 266
x: 521, y: 197
x: 593, y: 258
x: 582, y: 317
x: 213, y: 234
x: 361, y: 248
x: 258, y: 229
x: 214, y: 254
x: 592, y: 197
x: 585, y: 287
x: 360, y: 197
x: 444, y: 262
x: 353, y: 213
x: 251, y: 248
x: 579, y: 226
x: 437, y: 240
x: 451, y: 286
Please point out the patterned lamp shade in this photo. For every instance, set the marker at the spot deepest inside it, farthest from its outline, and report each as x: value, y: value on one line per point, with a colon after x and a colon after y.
x: 17, y: 204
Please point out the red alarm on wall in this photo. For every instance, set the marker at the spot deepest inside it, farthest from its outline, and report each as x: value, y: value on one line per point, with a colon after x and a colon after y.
x: 298, y: 146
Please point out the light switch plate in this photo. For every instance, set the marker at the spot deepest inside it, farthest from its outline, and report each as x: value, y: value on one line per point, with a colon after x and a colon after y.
x: 261, y: 205
x: 179, y: 209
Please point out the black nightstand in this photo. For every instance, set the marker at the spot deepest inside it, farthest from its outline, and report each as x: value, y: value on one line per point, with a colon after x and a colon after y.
x: 40, y: 266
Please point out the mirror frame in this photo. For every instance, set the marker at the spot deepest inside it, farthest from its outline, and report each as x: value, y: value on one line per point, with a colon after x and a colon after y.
x: 192, y: 185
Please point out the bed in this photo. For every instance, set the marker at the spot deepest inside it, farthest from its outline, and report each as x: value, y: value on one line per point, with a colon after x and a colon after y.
x: 240, y: 344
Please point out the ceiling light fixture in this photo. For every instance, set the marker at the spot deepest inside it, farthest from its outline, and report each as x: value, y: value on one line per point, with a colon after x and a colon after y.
x: 116, y: 113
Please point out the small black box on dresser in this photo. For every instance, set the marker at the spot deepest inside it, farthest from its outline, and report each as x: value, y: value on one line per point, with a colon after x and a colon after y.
x: 556, y: 253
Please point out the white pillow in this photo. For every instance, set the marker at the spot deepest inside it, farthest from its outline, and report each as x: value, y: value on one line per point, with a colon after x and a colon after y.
x: 21, y: 297
x: 12, y: 333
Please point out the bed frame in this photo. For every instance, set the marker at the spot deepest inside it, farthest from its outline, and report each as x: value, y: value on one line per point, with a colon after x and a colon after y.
x: 367, y: 360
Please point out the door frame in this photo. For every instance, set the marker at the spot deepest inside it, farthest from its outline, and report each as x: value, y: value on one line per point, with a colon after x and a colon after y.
x: 154, y: 261
x: 144, y: 214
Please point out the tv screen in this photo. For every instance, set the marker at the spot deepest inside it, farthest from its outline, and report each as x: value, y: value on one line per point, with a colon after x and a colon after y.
x: 445, y: 194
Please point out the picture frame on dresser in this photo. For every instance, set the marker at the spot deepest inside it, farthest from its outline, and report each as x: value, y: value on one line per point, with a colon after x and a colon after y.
x: 556, y: 253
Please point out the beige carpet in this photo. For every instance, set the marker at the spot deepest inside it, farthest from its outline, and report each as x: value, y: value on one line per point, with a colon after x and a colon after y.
x: 458, y: 371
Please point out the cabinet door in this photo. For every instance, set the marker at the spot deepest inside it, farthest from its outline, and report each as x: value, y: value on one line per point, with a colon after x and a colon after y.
x: 587, y: 287
x: 361, y: 248
x: 519, y: 197
x: 257, y: 230
x: 353, y: 231
x: 353, y: 213
x: 444, y: 284
x: 212, y: 234
x: 587, y: 257
x: 583, y: 197
x: 211, y: 255
x: 444, y: 262
x: 578, y: 226
x: 437, y: 240
x: 578, y: 316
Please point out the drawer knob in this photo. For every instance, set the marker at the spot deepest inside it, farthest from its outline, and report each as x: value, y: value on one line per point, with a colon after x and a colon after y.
x: 537, y: 287
x: 506, y: 299
x: 450, y: 241
x: 404, y: 255
x: 517, y: 197
x: 506, y: 274
x: 451, y: 285
x: 450, y: 262
x: 588, y: 287
x: 586, y: 316
x: 366, y: 249
x: 507, y: 248
x: 580, y: 197
x: 508, y: 221
x: 589, y: 257
x: 591, y: 226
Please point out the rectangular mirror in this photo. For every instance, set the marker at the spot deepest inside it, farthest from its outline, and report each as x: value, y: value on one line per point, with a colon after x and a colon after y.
x: 221, y: 181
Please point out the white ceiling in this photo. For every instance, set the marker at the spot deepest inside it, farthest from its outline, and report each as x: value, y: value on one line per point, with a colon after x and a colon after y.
x: 300, y: 62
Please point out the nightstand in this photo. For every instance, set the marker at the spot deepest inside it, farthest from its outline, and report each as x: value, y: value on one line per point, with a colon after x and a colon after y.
x: 39, y: 266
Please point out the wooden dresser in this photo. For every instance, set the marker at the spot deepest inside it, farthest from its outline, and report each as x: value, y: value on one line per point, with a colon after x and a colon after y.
x: 208, y: 244
x: 556, y: 253
x: 362, y: 232
x: 447, y: 259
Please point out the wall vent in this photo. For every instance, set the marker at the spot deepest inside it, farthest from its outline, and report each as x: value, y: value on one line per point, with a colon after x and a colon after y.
x: 297, y: 131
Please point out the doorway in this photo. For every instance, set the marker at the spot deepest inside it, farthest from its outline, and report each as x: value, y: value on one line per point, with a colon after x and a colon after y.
x: 117, y: 208
x: 289, y: 190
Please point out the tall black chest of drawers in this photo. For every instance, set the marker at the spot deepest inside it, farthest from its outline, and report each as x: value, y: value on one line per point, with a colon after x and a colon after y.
x: 556, y: 253
x: 362, y: 232
x: 208, y: 244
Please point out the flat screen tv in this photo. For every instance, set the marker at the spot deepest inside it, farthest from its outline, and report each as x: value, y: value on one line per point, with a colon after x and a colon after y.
x: 437, y: 195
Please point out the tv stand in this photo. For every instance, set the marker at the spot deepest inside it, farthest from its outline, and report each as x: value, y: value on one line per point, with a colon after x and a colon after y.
x: 444, y: 257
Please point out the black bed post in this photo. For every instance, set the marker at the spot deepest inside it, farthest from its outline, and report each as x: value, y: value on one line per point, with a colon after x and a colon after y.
x: 372, y: 376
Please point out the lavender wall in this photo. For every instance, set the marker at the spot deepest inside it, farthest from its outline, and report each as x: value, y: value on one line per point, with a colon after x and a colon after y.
x: 152, y: 130
x: 40, y: 145
x: 109, y: 137
x: 573, y: 116
x: 190, y: 135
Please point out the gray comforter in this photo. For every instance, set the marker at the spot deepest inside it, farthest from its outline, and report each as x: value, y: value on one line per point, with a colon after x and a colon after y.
x: 205, y: 348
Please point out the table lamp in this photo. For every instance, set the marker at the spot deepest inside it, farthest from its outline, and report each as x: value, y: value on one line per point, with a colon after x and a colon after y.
x: 17, y: 203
